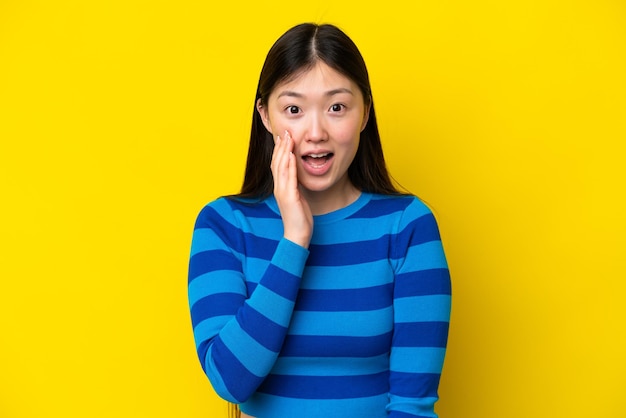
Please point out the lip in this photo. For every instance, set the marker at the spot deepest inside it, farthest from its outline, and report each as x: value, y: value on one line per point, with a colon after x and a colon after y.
x: 317, y: 169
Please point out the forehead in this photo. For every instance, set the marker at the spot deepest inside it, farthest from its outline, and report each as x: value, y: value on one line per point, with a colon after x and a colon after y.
x: 318, y: 79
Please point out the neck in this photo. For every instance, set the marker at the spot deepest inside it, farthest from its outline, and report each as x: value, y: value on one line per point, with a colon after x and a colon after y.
x: 330, y: 200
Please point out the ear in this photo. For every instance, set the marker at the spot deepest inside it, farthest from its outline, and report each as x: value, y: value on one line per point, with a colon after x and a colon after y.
x: 366, y: 115
x: 264, y: 115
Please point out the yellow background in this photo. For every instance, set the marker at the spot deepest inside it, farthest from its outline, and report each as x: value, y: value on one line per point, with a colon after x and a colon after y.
x: 120, y: 119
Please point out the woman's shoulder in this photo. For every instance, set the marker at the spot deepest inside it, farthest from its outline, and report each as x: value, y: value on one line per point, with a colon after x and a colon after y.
x: 231, y: 208
x: 400, y: 204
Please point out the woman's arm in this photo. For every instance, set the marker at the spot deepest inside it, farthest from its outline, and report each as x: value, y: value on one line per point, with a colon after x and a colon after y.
x: 238, y: 338
x: 422, y: 302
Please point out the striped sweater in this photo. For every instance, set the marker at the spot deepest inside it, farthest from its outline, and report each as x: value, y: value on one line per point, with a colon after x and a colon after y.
x: 355, y: 326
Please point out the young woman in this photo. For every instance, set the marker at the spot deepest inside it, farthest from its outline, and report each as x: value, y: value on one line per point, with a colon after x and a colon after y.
x: 319, y: 291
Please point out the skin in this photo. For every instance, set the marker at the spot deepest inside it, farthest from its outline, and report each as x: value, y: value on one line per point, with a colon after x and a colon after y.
x: 318, y: 112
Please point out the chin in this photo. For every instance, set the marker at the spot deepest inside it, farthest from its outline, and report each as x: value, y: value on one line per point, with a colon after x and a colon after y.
x: 315, y: 187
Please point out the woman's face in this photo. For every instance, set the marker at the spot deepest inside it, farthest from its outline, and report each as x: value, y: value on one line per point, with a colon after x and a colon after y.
x: 324, y: 112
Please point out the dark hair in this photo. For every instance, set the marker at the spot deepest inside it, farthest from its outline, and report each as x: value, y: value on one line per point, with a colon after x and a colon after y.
x: 296, y: 51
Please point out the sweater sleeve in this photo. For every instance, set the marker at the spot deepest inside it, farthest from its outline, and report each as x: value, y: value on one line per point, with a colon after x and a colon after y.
x: 422, y: 303
x: 238, y: 337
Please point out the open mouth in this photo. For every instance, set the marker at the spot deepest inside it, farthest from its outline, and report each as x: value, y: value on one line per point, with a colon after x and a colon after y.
x: 317, y: 160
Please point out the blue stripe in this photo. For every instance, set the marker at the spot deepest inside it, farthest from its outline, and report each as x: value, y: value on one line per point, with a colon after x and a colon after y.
x: 202, y: 350
x: 382, y: 207
x: 426, y: 256
x: 251, y: 286
x: 400, y: 414
x: 336, y: 300
x: 421, y: 334
x: 423, y: 282
x: 273, y: 306
x: 347, y: 277
x: 331, y: 366
x: 353, y: 324
x: 365, y: 251
x: 215, y: 305
x: 253, y: 209
x: 422, y: 407
x: 324, y: 346
x: 239, y: 241
x: 352, y: 230
x: 215, y: 260
x: 205, y: 239
x: 258, y: 247
x: 370, y: 407
x: 417, y: 359
x: 263, y: 228
x: 256, y: 358
x: 239, y: 381
x: 254, y: 268
x: 222, y: 224
x: 349, y: 253
x: 326, y: 387
x: 280, y: 282
x: 415, y: 210
x: 414, y: 385
x: 290, y: 257
x: 267, y: 332
x: 430, y: 308
x: 418, y: 231
x: 213, y: 283
x: 208, y: 328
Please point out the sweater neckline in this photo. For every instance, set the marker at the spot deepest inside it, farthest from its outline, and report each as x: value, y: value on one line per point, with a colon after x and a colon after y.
x: 333, y: 216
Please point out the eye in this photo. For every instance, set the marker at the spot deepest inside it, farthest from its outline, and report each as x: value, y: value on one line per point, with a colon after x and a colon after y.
x: 337, y: 107
x: 294, y: 110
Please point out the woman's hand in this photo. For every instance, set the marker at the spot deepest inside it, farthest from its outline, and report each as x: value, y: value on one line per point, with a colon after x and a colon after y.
x: 294, y: 209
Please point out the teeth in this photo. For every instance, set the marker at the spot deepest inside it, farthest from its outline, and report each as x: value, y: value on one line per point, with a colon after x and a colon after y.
x: 318, y: 155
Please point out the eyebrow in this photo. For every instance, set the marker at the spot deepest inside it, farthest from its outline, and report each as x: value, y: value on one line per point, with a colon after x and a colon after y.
x: 329, y: 93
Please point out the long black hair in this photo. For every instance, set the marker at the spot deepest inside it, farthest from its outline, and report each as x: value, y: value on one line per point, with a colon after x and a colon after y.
x: 296, y: 51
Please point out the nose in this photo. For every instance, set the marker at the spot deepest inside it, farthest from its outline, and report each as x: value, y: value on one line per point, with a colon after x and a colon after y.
x: 316, y: 129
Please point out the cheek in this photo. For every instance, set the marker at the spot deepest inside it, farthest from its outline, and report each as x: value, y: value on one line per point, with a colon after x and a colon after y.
x: 348, y: 135
x: 280, y: 124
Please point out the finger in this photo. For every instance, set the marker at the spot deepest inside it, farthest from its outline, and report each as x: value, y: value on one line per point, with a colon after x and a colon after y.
x: 275, y: 150
x: 287, y: 136
x: 278, y: 153
x: 280, y: 163
x: 284, y: 145
x: 292, y: 172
